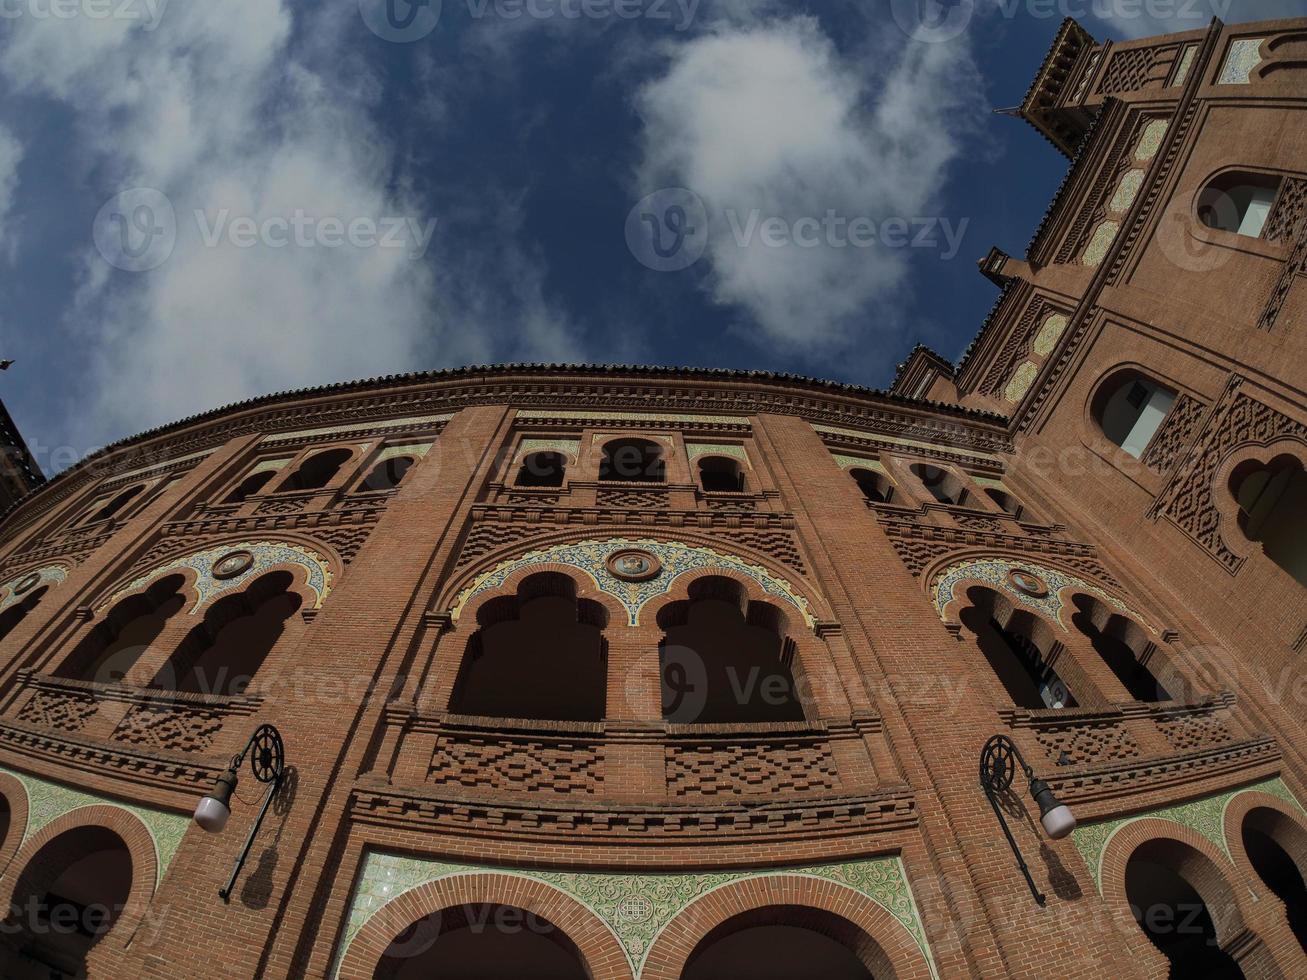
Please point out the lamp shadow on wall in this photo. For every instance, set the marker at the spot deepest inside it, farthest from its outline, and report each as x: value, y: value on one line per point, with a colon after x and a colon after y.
x: 256, y: 893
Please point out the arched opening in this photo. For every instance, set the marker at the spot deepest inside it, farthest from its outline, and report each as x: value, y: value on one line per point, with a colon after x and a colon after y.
x: 1006, y: 501
x: 1162, y: 882
x: 633, y: 461
x: 542, y: 470
x: 1124, y: 647
x: 875, y: 486
x: 67, y: 899
x: 482, y: 942
x: 6, y: 819
x: 538, y: 654
x: 115, y: 505
x: 19, y: 611
x: 1238, y: 202
x: 1267, y: 836
x: 1272, y: 500
x: 725, y: 659
x: 718, y: 474
x: 222, y: 654
x: 1017, y: 645
x: 388, y: 473
x: 122, y: 637
x: 940, y: 483
x: 782, y: 942
x: 1130, y: 408
x: 316, y: 471
x: 251, y: 485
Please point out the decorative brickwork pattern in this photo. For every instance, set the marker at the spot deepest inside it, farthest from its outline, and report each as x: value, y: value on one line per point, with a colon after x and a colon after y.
x: 1188, y: 500
x: 750, y: 770
x: 632, y: 499
x: 780, y: 545
x: 1282, y: 223
x: 516, y: 766
x: 1192, y: 731
x: 1079, y: 742
x: 486, y: 537
x: 1168, y: 446
x: 1128, y: 71
x: 180, y: 728
x: 1294, y: 268
x: 64, y: 711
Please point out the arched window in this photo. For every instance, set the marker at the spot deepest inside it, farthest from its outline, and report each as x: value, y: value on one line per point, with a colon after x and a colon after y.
x: 481, y: 941
x: 725, y: 659
x: 542, y: 470
x: 1123, y: 646
x: 223, y: 653
x: 718, y: 474
x: 1272, y: 501
x: 633, y: 461
x: 388, y: 473
x: 16, y: 613
x: 68, y: 897
x: 120, y: 639
x: 1017, y: 646
x: 1006, y: 501
x: 539, y: 654
x: 787, y: 941
x: 316, y: 471
x: 115, y: 505
x: 942, y: 484
x: 1238, y: 202
x: 875, y: 486
x: 1271, y: 840
x: 1162, y: 883
x: 251, y: 485
x: 1130, y: 408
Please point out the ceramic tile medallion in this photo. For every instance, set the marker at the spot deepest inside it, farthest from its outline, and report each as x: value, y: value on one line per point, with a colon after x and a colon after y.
x: 634, y: 907
x: 674, y: 558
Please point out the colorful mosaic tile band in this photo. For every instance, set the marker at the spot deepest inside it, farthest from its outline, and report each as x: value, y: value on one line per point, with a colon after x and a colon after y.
x: 697, y: 449
x: 48, y: 576
x: 1205, y: 817
x: 1186, y: 63
x: 635, y: 907
x: 1150, y: 141
x: 858, y: 461
x: 677, y: 559
x: 994, y: 573
x: 267, y: 555
x: 47, y: 802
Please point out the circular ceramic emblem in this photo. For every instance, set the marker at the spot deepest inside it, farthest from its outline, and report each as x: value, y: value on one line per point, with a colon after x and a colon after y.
x: 1027, y: 583
x: 232, y: 564
x: 27, y: 583
x: 633, y: 565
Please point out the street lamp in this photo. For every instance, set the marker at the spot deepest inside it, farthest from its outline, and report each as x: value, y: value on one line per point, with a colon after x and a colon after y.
x: 268, y: 763
x: 998, y: 761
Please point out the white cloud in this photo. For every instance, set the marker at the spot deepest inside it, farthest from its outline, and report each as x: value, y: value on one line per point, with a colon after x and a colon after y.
x: 768, y: 119
x: 11, y: 154
x: 221, y: 110
x: 1146, y: 18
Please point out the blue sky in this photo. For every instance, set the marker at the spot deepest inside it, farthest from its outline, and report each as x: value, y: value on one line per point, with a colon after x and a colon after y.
x: 200, y: 202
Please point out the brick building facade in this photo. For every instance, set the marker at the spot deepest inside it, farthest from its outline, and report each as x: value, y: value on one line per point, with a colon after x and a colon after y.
x: 622, y: 672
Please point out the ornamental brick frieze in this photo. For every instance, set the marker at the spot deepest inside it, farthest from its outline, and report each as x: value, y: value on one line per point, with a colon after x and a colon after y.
x: 428, y: 810
x: 1188, y: 500
x: 344, y: 528
x: 1055, y: 368
x: 1168, y: 446
x: 913, y: 442
x: 1019, y: 342
x: 1285, y: 224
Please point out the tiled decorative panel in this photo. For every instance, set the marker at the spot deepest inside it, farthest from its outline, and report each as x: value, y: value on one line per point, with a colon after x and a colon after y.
x: 1244, y: 55
x: 50, y: 575
x: 1205, y: 816
x: 994, y: 573
x: 568, y: 447
x: 697, y: 449
x: 47, y: 802
x: 635, y: 907
x: 267, y: 554
x: 676, y: 557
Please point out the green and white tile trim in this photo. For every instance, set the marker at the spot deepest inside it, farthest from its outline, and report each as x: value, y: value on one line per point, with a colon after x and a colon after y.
x: 49, y: 576
x: 577, y: 416
x: 47, y: 802
x: 994, y: 572
x: 1244, y: 55
x: 677, y: 558
x: 899, y: 441
x: 696, y: 449
x: 1205, y: 816
x: 412, y: 422
x: 417, y: 450
x: 635, y: 907
x: 861, y: 462
x: 568, y: 447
